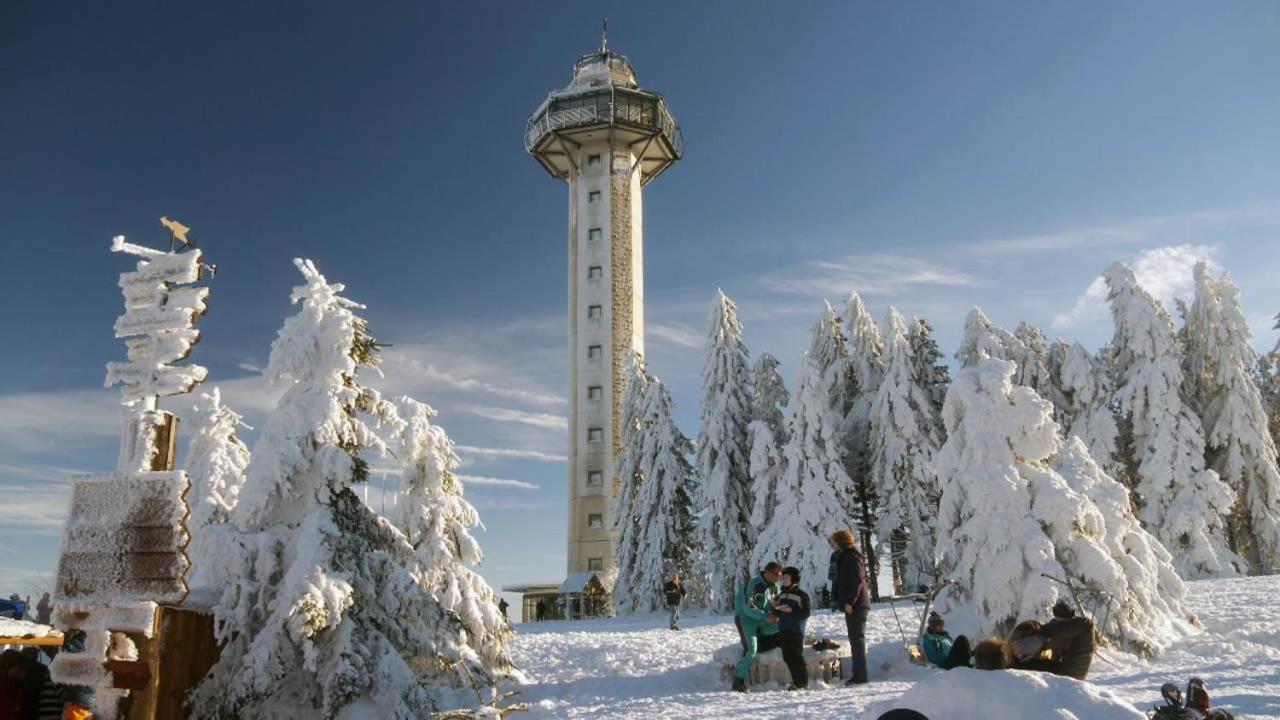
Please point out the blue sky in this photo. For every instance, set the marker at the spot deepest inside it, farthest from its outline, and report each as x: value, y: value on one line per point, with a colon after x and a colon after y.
x: 933, y: 156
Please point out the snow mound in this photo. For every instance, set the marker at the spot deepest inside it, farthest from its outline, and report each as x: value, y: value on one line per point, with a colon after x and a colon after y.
x: 24, y: 629
x: 965, y: 693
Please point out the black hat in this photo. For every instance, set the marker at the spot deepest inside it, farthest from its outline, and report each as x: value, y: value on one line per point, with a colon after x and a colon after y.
x: 1062, y: 610
x: 935, y: 619
x: 793, y: 573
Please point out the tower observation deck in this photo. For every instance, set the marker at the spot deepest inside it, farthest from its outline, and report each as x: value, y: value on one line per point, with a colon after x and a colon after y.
x: 607, y: 138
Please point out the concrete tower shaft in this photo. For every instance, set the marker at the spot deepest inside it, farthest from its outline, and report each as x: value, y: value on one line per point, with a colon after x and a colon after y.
x: 606, y: 137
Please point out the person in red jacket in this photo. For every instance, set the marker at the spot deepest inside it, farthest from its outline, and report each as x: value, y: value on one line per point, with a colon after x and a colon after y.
x: 853, y: 598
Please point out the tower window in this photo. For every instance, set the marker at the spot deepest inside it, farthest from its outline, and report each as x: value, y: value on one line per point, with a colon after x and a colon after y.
x: 593, y: 160
x: 594, y: 235
x: 595, y: 478
x: 595, y: 521
x: 595, y: 272
x: 595, y: 563
x: 595, y: 435
x: 593, y: 196
x: 594, y: 312
x: 594, y: 352
x: 595, y: 393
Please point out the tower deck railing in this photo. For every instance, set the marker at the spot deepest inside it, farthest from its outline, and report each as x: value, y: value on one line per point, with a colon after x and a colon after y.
x: 645, y: 112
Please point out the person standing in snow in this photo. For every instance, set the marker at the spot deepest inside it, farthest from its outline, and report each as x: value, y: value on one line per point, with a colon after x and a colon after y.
x: 756, y: 622
x: 940, y: 649
x: 44, y: 610
x: 673, y: 589
x: 792, y: 606
x: 540, y: 611
x: 502, y: 608
x: 853, y: 597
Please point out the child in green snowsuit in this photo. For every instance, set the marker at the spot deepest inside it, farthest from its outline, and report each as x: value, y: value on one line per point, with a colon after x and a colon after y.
x: 757, y: 625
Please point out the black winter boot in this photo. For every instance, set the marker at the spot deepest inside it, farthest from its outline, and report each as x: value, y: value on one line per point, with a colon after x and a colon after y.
x: 740, y: 685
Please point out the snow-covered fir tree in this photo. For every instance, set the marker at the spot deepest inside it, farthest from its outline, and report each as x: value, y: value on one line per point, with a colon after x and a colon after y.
x: 1086, y: 382
x: 813, y: 481
x: 904, y: 440
x: 1268, y: 374
x: 661, y: 539
x: 769, y: 395
x: 1026, y: 348
x: 215, y: 464
x: 437, y: 521
x: 1181, y: 502
x: 1009, y: 523
x: 1034, y: 367
x: 864, y: 372
x: 625, y: 515
x: 766, y: 468
x: 766, y: 436
x: 933, y: 375
x: 723, y: 462
x: 322, y: 608
x: 1143, y: 607
x: 1219, y: 363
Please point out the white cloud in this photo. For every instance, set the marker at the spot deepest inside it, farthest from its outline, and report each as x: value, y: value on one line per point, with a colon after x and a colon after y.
x: 1129, y: 232
x: 542, y: 420
x: 674, y: 334
x: 480, y: 480
x: 1165, y: 272
x: 509, y: 454
x: 868, y: 273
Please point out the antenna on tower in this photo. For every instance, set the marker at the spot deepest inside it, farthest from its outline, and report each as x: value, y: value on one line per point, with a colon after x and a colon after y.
x: 604, y: 37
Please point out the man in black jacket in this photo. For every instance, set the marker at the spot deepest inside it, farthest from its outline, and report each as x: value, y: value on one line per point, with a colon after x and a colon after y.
x: 853, y: 597
x: 792, y: 606
x: 674, y: 590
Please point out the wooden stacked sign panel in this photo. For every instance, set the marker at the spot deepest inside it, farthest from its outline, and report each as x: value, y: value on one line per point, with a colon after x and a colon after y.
x: 122, y: 549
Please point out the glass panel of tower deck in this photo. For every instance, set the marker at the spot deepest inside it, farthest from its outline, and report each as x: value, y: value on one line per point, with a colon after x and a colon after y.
x: 606, y: 137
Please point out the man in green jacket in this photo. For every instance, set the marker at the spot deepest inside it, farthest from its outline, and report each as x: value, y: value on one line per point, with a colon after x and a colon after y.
x: 757, y: 624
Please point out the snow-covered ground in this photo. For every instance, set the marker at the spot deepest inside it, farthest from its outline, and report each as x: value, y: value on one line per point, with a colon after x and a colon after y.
x: 636, y: 668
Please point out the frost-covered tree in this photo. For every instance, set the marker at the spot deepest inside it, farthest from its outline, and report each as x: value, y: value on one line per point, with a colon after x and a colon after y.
x: 1143, y: 606
x: 904, y: 440
x: 321, y: 607
x: 809, y: 493
x: 1087, y: 385
x: 934, y: 376
x: 657, y: 537
x: 215, y: 464
x: 625, y: 515
x: 769, y: 396
x: 1010, y: 524
x: 1181, y: 502
x: 766, y: 468
x: 1026, y: 347
x: 864, y: 372
x: 437, y: 521
x: 723, y: 462
x: 1218, y: 366
x: 766, y: 435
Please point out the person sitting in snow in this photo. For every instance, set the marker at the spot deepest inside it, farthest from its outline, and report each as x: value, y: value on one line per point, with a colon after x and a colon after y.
x: 673, y: 589
x: 757, y: 624
x: 1063, y: 646
x: 940, y: 649
x: 792, y: 605
x: 989, y: 654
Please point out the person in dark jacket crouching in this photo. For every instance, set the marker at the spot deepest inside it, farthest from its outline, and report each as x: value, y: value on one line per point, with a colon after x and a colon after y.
x: 1063, y: 646
x: 792, y: 606
x: 853, y: 598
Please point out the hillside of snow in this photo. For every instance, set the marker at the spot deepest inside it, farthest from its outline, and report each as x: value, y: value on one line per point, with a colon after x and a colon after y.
x: 637, y: 668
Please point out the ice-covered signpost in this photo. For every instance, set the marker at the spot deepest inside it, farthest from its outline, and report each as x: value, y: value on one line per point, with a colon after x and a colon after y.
x: 122, y: 549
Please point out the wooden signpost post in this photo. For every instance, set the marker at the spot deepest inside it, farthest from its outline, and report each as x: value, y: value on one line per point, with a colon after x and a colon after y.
x: 122, y: 550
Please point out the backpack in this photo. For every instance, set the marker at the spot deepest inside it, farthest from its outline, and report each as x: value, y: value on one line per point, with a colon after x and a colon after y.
x: 1196, y: 706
